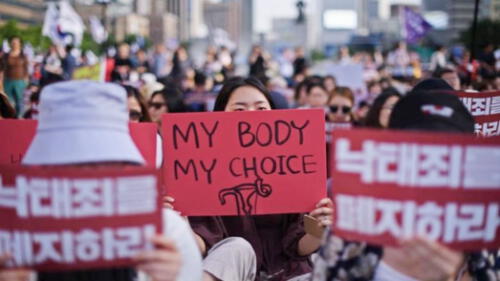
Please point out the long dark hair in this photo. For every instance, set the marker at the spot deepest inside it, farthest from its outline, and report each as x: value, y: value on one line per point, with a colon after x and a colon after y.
x: 172, y: 96
x: 372, y: 117
x: 236, y: 82
x: 133, y: 92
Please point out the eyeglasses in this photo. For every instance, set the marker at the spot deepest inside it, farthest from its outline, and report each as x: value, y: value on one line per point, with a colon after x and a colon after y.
x: 335, y: 108
x: 156, y: 105
x: 134, y: 115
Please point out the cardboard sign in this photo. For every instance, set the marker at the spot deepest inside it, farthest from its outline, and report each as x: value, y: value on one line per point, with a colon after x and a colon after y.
x: 348, y: 75
x: 18, y: 134
x: 245, y: 163
x: 91, y: 72
x: 77, y: 218
x: 485, y: 107
x: 389, y: 185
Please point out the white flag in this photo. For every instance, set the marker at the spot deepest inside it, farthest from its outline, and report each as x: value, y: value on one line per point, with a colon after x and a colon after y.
x: 97, y: 30
x: 62, y: 24
x: 5, y: 46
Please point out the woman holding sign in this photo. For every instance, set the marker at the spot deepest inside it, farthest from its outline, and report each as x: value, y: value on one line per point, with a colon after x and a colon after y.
x: 281, y: 245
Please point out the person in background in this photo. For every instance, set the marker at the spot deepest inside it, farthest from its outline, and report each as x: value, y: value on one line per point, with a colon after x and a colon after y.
x: 451, y: 77
x: 181, y: 65
x: 137, y: 108
x: 77, y: 140
x: 7, y: 111
x: 279, y: 100
x: 317, y: 95
x: 169, y: 99
x: 361, y: 112
x: 16, y: 73
x: 438, y: 60
x: 330, y: 83
x: 374, y: 89
x: 68, y: 63
x: 258, y: 62
x: 140, y: 62
x: 300, y: 64
x: 123, y: 64
x: 381, y: 109
x: 160, y: 61
x: 196, y: 100
x: 340, y: 105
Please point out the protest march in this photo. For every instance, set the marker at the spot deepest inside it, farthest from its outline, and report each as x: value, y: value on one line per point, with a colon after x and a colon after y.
x: 209, y: 159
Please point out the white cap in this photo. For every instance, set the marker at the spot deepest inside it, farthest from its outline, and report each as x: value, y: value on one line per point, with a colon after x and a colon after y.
x: 82, y: 122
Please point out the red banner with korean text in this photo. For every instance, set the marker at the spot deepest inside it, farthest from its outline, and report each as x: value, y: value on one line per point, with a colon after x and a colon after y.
x: 389, y: 185
x: 245, y: 163
x: 485, y: 107
x: 77, y: 218
x: 18, y: 134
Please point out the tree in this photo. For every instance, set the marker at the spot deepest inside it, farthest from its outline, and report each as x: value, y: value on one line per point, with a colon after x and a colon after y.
x: 486, y: 33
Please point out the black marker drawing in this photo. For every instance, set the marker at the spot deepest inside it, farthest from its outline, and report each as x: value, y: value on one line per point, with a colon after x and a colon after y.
x: 245, y: 205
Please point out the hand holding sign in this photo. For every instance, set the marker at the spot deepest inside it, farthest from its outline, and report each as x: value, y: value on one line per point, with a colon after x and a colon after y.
x: 161, y: 264
x: 424, y: 260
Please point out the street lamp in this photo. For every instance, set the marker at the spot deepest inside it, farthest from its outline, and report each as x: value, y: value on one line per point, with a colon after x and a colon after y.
x: 104, y: 4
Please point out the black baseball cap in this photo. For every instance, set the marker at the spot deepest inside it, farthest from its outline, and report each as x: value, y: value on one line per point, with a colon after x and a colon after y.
x: 431, y: 111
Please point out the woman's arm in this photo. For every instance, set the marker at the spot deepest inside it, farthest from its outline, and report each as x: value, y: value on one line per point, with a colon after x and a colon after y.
x: 323, y: 213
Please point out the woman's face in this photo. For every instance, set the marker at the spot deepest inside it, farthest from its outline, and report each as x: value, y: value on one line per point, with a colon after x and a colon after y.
x: 15, y: 44
x: 247, y: 98
x: 386, y: 111
x: 330, y: 84
x: 157, y: 107
x: 340, y: 109
x: 134, y: 109
x: 318, y: 97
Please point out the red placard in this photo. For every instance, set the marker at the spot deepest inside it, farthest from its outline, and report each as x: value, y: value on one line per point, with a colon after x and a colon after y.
x: 16, y: 137
x: 144, y: 136
x: 76, y: 218
x: 389, y: 185
x: 485, y: 107
x: 18, y: 134
x: 245, y: 163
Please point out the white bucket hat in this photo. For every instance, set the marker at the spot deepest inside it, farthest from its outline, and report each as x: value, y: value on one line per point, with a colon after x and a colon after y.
x: 82, y: 122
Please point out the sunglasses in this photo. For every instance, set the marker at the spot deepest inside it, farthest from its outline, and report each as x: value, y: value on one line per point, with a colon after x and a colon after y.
x: 134, y: 115
x: 344, y: 109
x: 156, y: 105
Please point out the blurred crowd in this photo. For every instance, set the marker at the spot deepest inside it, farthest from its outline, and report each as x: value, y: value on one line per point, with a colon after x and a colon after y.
x: 292, y: 78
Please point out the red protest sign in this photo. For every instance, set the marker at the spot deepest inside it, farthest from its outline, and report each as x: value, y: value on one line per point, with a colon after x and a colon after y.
x: 144, y: 136
x: 16, y: 138
x: 18, y: 134
x: 389, y: 185
x: 245, y: 163
x: 74, y: 218
x: 485, y: 107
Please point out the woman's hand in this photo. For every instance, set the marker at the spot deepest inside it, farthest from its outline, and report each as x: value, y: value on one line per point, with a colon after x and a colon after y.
x: 424, y: 260
x: 323, y: 212
x: 168, y: 202
x: 163, y: 263
x: 12, y: 274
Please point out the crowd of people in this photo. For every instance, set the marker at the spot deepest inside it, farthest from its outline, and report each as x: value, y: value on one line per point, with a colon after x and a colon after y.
x: 269, y: 247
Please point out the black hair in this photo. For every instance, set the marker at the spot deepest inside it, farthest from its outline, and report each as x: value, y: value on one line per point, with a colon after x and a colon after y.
x: 133, y: 92
x: 313, y: 85
x: 200, y: 78
x: 172, y: 96
x: 7, y: 111
x: 373, y: 116
x: 236, y: 82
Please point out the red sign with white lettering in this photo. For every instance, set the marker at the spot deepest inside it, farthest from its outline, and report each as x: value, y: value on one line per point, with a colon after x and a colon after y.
x: 75, y: 218
x: 245, y: 163
x: 389, y: 185
x: 18, y: 134
x: 485, y: 107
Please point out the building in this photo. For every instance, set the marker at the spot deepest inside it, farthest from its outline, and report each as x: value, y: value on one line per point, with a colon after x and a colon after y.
x: 131, y: 24
x: 26, y: 12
